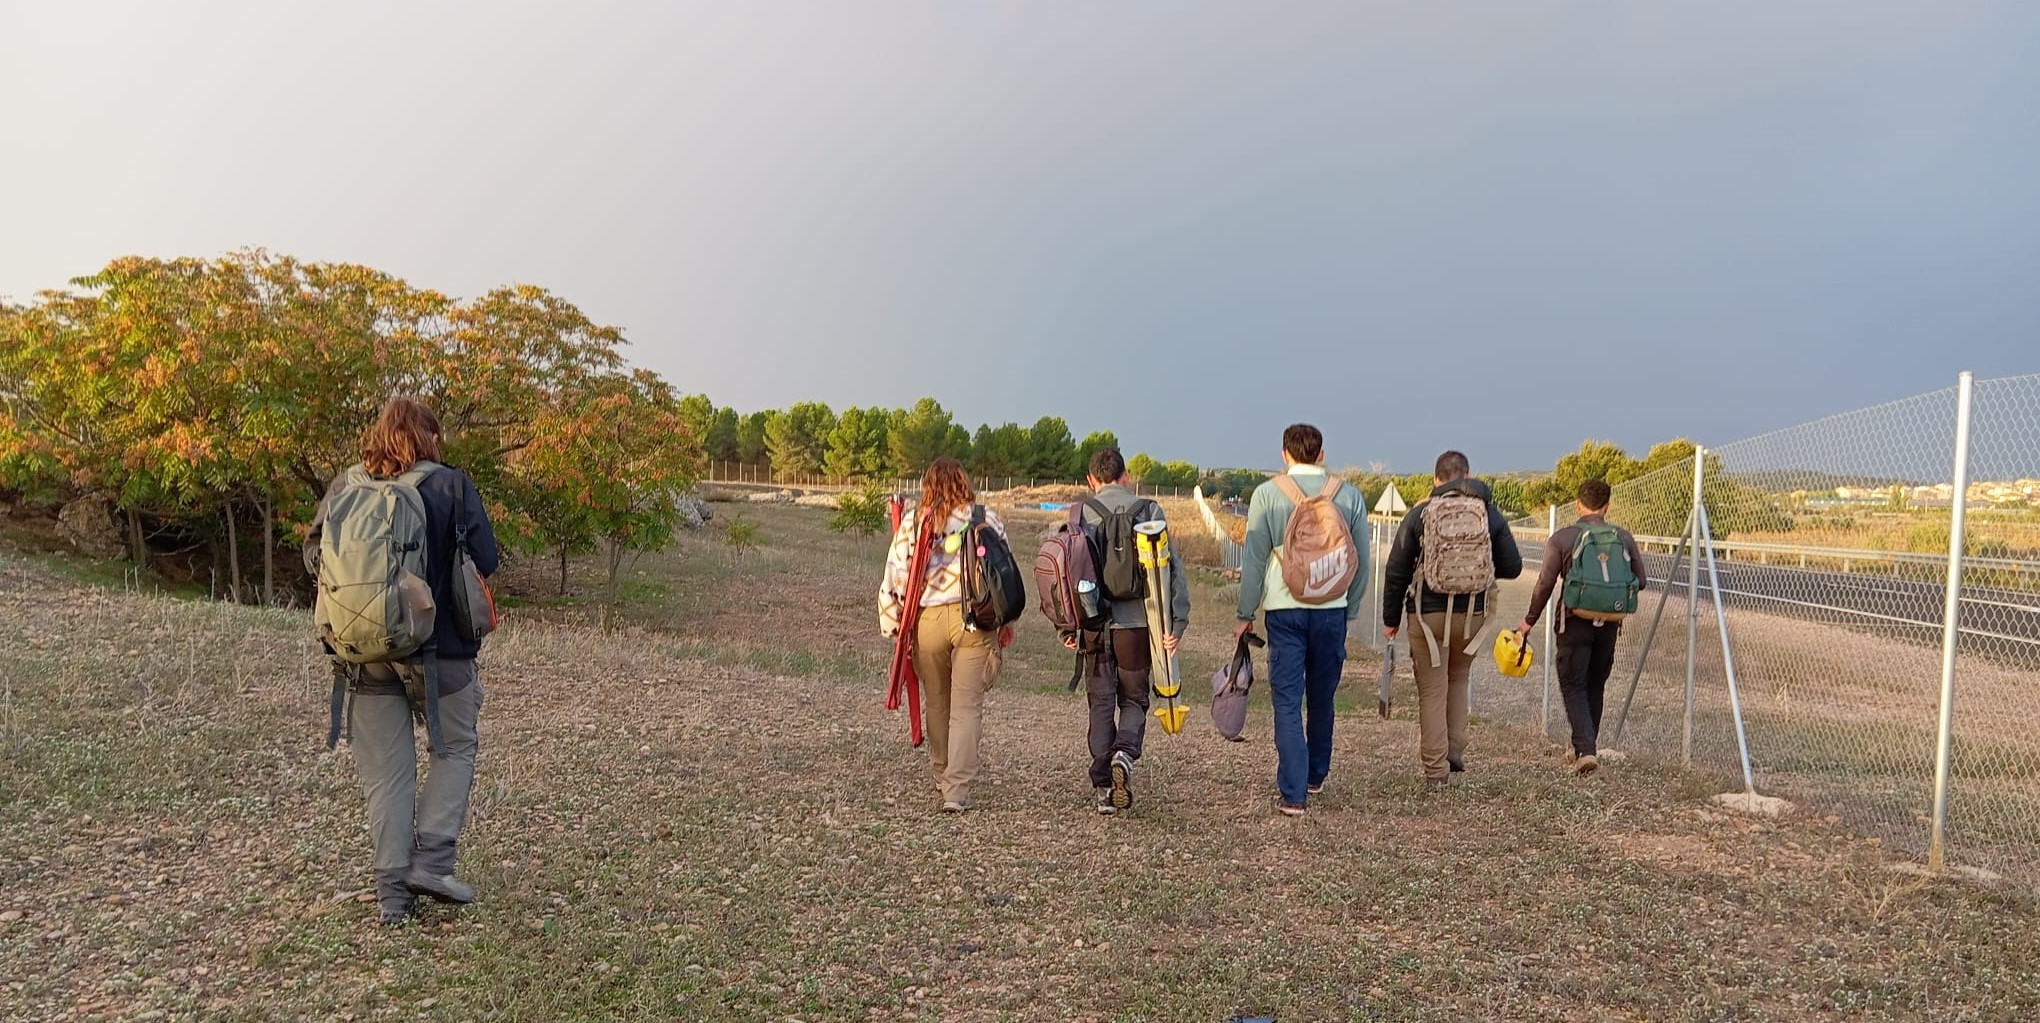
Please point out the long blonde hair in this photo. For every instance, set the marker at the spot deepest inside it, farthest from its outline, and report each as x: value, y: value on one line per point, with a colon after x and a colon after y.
x: 405, y: 434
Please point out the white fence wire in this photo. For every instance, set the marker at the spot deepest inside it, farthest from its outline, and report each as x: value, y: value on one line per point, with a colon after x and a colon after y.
x: 1228, y: 549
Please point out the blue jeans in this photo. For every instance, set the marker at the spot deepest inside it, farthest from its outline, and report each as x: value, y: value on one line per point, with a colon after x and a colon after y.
x: 1306, y: 650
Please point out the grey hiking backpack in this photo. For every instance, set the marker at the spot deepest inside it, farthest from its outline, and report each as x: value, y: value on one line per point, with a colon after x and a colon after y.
x: 374, y: 604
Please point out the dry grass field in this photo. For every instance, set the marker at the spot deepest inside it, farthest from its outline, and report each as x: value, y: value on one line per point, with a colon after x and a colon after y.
x: 706, y: 814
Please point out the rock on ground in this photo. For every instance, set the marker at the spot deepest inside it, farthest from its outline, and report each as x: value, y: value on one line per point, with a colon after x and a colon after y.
x: 694, y: 511
x: 1753, y: 804
x: 87, y: 523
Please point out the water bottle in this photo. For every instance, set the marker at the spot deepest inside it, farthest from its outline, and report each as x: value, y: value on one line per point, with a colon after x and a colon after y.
x: 1089, y: 603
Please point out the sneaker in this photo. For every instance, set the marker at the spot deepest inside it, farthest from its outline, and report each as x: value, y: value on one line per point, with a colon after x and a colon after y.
x: 1435, y: 785
x: 1291, y: 809
x: 1587, y: 764
x: 952, y: 806
x: 1105, y: 801
x: 440, y: 887
x: 1315, y: 789
x: 1122, y: 781
x: 1458, y: 764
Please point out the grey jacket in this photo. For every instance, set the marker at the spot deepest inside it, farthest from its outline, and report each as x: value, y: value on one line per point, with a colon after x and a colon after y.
x: 1133, y: 614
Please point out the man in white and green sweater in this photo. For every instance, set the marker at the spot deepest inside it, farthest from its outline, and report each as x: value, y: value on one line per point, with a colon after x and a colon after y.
x: 1306, y: 642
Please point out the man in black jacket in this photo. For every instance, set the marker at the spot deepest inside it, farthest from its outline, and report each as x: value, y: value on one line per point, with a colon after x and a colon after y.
x: 1448, y: 623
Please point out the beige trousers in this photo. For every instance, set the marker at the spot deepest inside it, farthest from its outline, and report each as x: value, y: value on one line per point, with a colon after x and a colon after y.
x: 1441, y: 690
x: 956, y: 668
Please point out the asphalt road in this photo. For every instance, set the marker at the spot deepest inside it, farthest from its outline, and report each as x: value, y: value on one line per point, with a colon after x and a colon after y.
x: 2001, y: 623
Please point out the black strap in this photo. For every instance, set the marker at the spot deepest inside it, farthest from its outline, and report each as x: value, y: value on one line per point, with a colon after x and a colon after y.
x: 1241, y: 653
x: 343, y: 677
x: 435, y: 738
x: 1099, y: 506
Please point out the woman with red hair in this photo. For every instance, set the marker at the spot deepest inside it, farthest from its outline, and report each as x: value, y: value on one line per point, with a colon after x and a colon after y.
x: 415, y: 830
x: 955, y: 664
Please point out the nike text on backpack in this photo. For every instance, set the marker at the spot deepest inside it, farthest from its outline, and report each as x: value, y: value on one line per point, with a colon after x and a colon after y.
x: 1319, y: 559
x: 1066, y: 582
x: 1230, y: 686
x: 1118, y: 563
x: 374, y: 605
x: 1600, y: 584
x: 1457, y: 560
x: 993, y: 594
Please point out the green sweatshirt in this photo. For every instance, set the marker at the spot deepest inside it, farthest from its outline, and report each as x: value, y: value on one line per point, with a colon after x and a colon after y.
x: 1261, y: 585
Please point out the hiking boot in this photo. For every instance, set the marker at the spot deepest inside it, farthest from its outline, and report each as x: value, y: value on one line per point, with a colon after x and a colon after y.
x: 440, y: 887
x: 1291, y: 809
x: 1105, y: 801
x: 1587, y: 764
x: 1436, y: 785
x: 1458, y: 764
x: 1122, y: 780
x: 397, y: 912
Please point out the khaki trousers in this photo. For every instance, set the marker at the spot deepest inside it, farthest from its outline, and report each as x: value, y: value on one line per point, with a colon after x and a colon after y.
x: 956, y: 669
x: 1441, y: 690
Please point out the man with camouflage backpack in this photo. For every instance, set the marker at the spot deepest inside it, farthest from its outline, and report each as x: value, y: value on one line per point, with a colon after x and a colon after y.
x: 1305, y: 563
x: 393, y: 538
x: 1441, y: 574
x: 1603, y: 574
x: 1116, y: 686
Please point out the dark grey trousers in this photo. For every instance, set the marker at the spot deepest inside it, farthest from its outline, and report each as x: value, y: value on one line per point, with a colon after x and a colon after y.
x: 1118, y: 695
x: 414, y: 826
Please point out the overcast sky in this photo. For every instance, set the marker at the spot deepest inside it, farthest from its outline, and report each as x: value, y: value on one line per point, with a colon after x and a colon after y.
x: 1496, y: 226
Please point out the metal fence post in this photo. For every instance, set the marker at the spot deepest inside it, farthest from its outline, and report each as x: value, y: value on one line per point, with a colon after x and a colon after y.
x: 1693, y: 600
x: 1742, y: 739
x: 1951, y: 618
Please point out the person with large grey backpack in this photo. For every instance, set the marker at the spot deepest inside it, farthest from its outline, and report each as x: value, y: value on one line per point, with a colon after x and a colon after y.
x: 1305, y: 565
x: 398, y: 551
x: 1602, y: 573
x: 1116, y: 679
x: 1440, y: 577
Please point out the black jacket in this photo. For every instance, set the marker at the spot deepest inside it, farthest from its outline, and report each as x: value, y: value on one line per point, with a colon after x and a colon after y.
x: 449, y: 496
x: 1401, y: 571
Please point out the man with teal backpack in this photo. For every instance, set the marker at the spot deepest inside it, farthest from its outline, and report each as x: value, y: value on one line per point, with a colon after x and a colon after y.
x: 1603, y: 575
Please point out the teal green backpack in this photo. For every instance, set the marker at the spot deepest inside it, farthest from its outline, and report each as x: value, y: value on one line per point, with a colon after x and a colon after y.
x: 1601, y: 585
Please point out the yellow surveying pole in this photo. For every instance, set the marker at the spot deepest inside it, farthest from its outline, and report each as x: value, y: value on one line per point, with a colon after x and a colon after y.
x: 1151, y: 545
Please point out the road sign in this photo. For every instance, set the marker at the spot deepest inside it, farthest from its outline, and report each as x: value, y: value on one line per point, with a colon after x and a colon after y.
x: 1391, y: 502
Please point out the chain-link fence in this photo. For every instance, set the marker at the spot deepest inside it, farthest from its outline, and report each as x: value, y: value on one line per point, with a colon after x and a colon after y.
x: 1824, y: 557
